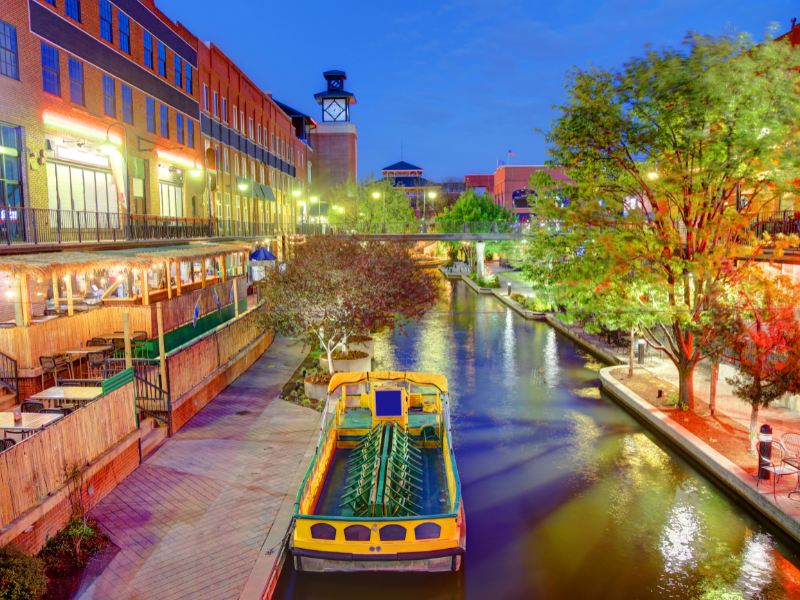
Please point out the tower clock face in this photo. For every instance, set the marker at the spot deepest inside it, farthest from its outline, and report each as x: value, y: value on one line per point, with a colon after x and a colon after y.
x: 335, y: 110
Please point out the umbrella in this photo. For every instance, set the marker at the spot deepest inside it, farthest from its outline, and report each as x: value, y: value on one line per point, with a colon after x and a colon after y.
x: 262, y: 254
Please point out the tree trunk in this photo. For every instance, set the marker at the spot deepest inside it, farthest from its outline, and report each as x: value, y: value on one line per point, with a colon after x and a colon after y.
x: 630, y: 366
x: 753, y: 425
x: 713, y: 393
x: 344, y: 345
x: 686, y: 386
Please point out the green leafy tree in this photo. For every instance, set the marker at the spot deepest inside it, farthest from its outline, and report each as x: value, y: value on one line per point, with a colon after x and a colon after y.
x: 670, y: 156
x: 359, y: 204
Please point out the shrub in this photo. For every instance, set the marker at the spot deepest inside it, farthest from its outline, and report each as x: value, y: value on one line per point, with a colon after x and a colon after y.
x: 351, y: 355
x: 536, y: 304
x: 517, y: 297
x: 306, y: 402
x: 21, y: 576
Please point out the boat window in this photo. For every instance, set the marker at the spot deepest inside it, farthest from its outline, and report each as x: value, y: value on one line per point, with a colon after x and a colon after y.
x: 393, y: 533
x: 427, y: 531
x: 323, y: 531
x: 356, y: 533
x: 389, y: 403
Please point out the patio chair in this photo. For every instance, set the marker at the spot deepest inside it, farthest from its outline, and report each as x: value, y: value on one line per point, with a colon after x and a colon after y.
x: 32, y: 406
x: 55, y: 411
x: 5, y: 444
x: 791, y: 443
x: 774, y: 464
x: 119, y: 348
x: 138, y: 343
x: 96, y: 364
x: 52, y: 366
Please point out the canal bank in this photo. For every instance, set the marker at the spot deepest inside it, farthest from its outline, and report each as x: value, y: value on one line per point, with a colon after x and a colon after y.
x: 565, y: 490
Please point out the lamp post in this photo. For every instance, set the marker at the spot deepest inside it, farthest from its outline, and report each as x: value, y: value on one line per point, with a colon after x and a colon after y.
x: 377, y: 195
x: 431, y: 195
x: 109, y: 148
x: 319, y: 220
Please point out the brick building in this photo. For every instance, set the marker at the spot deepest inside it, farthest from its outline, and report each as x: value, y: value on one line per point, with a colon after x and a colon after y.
x: 74, y: 75
x: 509, y: 185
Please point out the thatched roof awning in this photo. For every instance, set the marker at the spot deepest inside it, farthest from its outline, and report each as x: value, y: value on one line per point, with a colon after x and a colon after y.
x: 43, y: 266
x: 198, y: 252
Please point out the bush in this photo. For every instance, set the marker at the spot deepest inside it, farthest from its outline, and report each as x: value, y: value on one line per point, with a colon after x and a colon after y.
x: 536, y: 304
x: 485, y: 282
x: 517, y: 297
x: 306, y: 402
x: 21, y: 576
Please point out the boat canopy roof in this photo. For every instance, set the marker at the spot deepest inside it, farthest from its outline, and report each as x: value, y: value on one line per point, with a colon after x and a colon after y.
x: 437, y: 381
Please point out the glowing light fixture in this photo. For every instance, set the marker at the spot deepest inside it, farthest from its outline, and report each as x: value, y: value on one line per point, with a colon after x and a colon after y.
x: 196, y: 172
x: 431, y: 194
x: 176, y: 159
x: 653, y: 175
x: 340, y: 209
x: 242, y: 186
x: 376, y: 194
x: 77, y: 127
x: 314, y: 199
x: 296, y: 193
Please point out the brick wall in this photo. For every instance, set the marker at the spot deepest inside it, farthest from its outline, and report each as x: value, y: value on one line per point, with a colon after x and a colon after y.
x: 335, y: 159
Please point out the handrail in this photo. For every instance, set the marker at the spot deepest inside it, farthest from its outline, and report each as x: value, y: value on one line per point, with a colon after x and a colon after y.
x: 8, y: 372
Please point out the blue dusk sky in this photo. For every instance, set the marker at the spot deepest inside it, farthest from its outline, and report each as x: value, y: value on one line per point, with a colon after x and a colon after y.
x: 461, y: 82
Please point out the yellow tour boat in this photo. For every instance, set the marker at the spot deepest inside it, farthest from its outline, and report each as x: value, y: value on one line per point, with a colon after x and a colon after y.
x: 382, y: 492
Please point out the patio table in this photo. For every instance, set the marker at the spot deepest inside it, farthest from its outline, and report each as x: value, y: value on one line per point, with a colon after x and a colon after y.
x: 58, y: 394
x: 30, y: 423
x: 81, y: 352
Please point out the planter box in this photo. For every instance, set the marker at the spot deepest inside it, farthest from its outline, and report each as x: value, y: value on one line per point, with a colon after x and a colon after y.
x: 475, y: 287
x: 368, y: 347
x: 518, y: 308
x: 315, y: 391
x: 349, y: 366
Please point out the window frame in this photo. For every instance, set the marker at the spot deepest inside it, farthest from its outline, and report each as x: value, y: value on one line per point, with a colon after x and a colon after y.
x: 9, y: 54
x: 76, y: 6
x: 147, y: 40
x: 72, y: 61
x: 189, y: 80
x: 124, y: 35
x: 53, y: 71
x: 106, y: 24
x: 162, y: 121
x: 179, y: 130
x: 128, y: 105
x: 109, y: 99
x: 189, y: 132
x: 178, y: 64
x: 235, y: 118
x: 162, y: 58
x: 205, y: 97
x: 215, y: 103
x: 224, y: 109
x: 151, y: 116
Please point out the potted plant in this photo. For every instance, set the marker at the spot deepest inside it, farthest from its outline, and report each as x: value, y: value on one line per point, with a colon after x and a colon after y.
x: 364, y: 343
x: 315, y: 386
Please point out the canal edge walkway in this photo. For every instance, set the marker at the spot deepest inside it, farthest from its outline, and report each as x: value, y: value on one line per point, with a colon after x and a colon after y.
x: 783, y: 513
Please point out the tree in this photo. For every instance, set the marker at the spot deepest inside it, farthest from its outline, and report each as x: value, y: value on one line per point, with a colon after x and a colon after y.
x: 359, y: 204
x: 670, y: 156
x: 336, y: 286
x: 767, y: 349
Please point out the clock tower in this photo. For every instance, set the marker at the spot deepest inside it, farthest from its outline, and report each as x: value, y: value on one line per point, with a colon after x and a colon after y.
x: 335, y: 101
x: 335, y: 139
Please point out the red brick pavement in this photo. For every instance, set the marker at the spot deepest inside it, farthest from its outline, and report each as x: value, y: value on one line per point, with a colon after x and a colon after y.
x: 191, y: 521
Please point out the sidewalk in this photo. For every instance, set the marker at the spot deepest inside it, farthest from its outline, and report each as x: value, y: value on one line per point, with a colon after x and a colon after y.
x: 190, y: 521
x: 782, y: 418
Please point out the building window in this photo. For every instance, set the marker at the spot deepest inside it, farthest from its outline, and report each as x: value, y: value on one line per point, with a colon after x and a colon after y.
x: 164, y: 121
x: 148, y: 49
x: 162, y: 59
x: 189, y: 88
x: 171, y: 200
x: 127, y: 104
x: 224, y: 110
x: 179, y: 127
x: 178, y: 71
x: 205, y: 97
x: 124, y: 32
x: 10, y: 167
x: 109, y: 100
x: 272, y: 137
x: 216, y: 104
x: 150, y: 108
x: 241, y: 119
x: 225, y: 160
x: 73, y: 8
x: 76, y: 81
x: 105, y: 21
x: 80, y: 189
x: 235, y: 117
x: 9, y: 59
x: 51, y: 2
x: 258, y: 133
x: 235, y: 164
x: 250, y: 131
x: 189, y: 132
x: 50, y: 72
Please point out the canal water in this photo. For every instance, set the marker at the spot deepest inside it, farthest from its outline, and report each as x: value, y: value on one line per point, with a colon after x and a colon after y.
x: 566, y: 495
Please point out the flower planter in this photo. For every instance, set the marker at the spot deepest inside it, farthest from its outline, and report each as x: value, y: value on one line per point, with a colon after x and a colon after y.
x: 315, y: 391
x: 367, y: 346
x: 357, y: 365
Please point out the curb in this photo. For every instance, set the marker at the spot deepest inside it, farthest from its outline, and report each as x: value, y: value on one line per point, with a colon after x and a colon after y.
x: 474, y: 286
x: 733, y: 477
x: 519, y: 309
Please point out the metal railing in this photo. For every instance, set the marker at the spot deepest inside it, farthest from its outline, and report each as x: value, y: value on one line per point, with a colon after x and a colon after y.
x: 433, y: 228
x: 780, y: 221
x: 152, y: 394
x: 8, y: 374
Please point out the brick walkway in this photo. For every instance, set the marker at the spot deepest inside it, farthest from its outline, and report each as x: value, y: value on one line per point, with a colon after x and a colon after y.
x: 192, y: 519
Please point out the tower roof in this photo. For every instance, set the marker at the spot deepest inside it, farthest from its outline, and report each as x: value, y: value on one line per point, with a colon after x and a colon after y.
x: 334, y: 73
x: 351, y: 99
x: 402, y: 166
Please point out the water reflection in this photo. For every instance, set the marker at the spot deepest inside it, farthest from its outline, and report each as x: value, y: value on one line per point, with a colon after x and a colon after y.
x: 567, y: 497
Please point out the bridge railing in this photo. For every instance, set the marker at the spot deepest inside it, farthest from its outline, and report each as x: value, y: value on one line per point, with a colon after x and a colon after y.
x: 432, y: 228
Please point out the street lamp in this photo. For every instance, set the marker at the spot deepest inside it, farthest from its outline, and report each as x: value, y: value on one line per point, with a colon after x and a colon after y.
x: 377, y: 195
x: 109, y: 148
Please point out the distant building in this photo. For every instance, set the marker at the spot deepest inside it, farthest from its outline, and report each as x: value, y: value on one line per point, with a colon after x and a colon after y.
x: 335, y: 138
x: 415, y: 186
x: 510, y: 186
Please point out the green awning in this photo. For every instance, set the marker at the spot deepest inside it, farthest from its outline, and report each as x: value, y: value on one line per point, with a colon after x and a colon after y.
x: 268, y: 194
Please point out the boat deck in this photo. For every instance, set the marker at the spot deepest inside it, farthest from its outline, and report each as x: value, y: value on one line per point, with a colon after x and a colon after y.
x: 434, y: 499
x: 361, y: 418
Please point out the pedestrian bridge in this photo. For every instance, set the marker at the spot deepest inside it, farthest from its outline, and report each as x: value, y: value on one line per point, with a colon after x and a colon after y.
x: 448, y: 231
